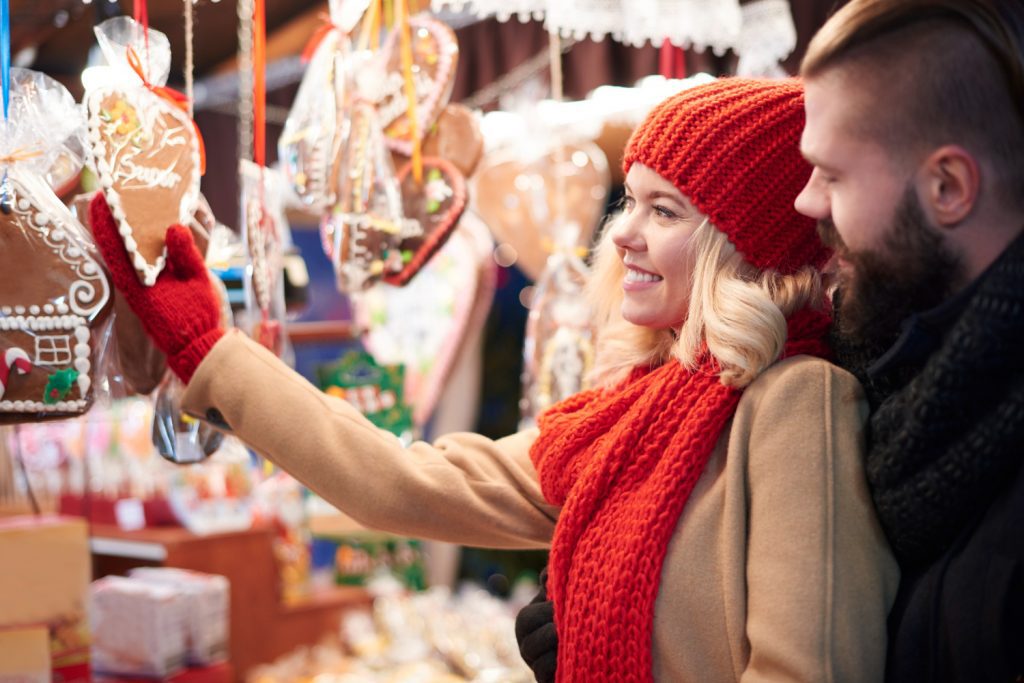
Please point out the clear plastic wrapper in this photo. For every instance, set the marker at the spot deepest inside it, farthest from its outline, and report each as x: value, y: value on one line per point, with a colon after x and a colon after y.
x: 306, y: 145
x: 362, y: 232
x: 523, y: 190
x: 45, y: 131
x: 559, y: 348
x: 55, y: 303
x: 178, y: 437
x: 266, y: 235
x: 145, y: 148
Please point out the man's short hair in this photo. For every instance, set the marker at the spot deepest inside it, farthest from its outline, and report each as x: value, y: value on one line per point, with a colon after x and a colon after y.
x: 940, y: 72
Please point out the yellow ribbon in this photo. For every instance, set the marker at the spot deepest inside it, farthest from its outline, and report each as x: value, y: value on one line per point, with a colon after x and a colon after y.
x: 20, y: 154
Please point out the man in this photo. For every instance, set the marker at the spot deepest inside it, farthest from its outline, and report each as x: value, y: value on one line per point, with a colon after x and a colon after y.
x: 915, y: 126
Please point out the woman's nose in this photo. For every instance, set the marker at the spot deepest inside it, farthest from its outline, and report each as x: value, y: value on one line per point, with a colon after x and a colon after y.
x: 626, y: 233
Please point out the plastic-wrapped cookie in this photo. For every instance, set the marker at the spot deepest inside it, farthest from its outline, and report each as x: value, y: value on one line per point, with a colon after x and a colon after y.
x: 435, y: 206
x: 54, y: 303
x: 147, y: 157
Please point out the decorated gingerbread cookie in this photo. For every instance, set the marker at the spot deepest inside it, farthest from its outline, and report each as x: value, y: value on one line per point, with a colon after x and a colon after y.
x: 146, y: 154
x: 362, y: 231
x: 435, y: 206
x: 306, y: 144
x: 53, y: 298
x: 435, y: 54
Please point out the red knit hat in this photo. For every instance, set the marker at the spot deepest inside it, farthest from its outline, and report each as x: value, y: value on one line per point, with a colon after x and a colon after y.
x: 733, y: 148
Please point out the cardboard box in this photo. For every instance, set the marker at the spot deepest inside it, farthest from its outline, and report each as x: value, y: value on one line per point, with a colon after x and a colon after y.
x: 138, y: 628
x: 25, y: 654
x: 45, y: 568
x: 207, y: 607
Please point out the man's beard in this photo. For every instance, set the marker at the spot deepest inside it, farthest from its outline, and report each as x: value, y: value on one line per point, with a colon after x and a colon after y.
x: 913, y: 271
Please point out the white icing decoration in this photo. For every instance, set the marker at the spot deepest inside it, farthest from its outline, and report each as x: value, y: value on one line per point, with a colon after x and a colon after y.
x: 82, y: 334
x: 48, y: 308
x: 6, y: 310
x: 89, y: 292
x: 19, y: 309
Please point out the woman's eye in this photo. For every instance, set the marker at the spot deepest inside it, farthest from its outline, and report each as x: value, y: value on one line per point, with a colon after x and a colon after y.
x: 665, y: 213
x: 628, y: 203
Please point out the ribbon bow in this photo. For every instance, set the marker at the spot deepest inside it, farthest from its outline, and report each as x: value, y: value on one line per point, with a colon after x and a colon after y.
x: 174, y: 97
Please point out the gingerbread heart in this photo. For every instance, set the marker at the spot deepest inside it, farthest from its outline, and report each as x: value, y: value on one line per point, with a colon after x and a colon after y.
x: 521, y: 199
x: 435, y: 206
x: 53, y: 299
x: 435, y: 54
x: 147, y: 157
x: 455, y: 136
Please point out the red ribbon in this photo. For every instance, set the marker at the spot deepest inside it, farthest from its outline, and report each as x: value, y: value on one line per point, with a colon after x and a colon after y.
x: 174, y: 97
x: 259, y: 68
x: 671, y: 61
x: 322, y: 31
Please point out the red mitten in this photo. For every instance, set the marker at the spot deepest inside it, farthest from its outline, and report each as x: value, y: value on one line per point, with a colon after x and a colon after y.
x: 180, y: 312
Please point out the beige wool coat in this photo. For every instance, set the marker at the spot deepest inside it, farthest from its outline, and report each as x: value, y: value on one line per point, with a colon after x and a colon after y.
x: 778, y: 570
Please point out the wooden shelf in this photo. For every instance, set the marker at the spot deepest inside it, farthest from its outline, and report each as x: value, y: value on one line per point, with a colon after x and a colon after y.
x: 263, y: 627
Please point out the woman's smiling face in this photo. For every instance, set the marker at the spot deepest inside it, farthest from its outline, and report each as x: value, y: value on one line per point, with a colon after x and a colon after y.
x: 651, y: 238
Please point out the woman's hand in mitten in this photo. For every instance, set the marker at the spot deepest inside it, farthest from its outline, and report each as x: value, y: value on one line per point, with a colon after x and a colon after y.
x: 535, y: 631
x: 180, y: 312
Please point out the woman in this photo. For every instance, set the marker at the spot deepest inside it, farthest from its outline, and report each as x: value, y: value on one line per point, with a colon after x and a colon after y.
x: 705, y: 508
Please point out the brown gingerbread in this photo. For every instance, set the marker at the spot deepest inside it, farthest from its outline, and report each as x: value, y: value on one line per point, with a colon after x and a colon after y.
x: 54, y: 297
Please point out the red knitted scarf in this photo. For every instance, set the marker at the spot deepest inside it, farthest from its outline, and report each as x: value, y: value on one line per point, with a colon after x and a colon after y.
x: 622, y: 464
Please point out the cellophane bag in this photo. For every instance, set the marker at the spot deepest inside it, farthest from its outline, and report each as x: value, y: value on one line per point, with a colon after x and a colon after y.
x: 55, y: 298
x: 145, y: 149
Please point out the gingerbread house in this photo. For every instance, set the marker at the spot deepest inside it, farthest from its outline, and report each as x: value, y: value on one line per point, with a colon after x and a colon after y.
x: 53, y: 298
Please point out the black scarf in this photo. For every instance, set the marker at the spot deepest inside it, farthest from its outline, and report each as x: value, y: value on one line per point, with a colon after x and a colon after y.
x: 947, y: 431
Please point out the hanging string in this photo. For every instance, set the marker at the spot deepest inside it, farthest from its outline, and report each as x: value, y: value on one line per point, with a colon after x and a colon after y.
x: 140, y: 12
x: 402, y: 26
x: 190, y: 58
x: 245, y: 113
x: 557, y: 93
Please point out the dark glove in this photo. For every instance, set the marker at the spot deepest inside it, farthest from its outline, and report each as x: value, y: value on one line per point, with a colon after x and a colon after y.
x: 181, y: 312
x: 535, y: 631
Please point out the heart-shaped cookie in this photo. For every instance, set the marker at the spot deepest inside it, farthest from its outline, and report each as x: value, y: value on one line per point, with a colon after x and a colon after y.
x: 520, y: 199
x: 425, y: 326
x: 435, y: 54
x: 435, y: 206
x: 147, y: 158
x: 456, y: 137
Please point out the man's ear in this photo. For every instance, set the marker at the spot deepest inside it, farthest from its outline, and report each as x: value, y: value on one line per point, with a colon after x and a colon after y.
x: 949, y: 182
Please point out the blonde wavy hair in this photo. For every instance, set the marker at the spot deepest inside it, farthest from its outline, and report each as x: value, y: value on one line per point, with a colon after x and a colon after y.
x: 738, y: 310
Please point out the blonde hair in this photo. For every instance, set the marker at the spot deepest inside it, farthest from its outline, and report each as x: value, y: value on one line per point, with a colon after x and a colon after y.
x: 736, y: 309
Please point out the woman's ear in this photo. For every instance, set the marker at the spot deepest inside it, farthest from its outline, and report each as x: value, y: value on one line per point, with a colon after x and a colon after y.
x: 949, y: 184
